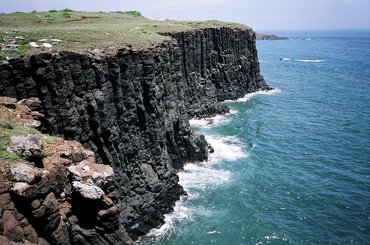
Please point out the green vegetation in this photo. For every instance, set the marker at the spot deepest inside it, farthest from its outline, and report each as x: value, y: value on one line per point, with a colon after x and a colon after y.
x: 133, y: 13
x: 9, y: 128
x: 85, y: 30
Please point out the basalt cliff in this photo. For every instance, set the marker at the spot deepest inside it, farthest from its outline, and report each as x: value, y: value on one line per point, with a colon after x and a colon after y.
x: 131, y: 108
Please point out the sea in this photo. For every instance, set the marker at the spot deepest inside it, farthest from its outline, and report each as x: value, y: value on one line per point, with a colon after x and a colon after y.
x: 292, y: 165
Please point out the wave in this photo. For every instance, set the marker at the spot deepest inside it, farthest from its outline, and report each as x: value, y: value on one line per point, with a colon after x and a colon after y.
x: 223, y: 119
x: 250, y: 95
x: 200, y: 177
x: 314, y: 60
x: 196, y: 178
x: 211, y: 121
x: 180, y: 214
x: 284, y: 59
x: 227, y: 148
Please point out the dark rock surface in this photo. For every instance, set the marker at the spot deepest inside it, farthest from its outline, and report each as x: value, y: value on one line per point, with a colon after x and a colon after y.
x: 132, y: 108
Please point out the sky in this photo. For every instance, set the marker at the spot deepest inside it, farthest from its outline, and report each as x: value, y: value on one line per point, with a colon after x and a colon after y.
x: 259, y: 14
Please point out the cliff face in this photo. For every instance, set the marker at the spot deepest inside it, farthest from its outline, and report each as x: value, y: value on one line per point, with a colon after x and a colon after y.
x: 218, y: 64
x: 132, y: 108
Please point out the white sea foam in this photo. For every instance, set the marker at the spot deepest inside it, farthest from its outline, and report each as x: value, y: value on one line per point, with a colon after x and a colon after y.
x: 225, y: 148
x: 251, y: 95
x: 276, y: 237
x: 195, y: 176
x: 312, y: 61
x: 181, y: 213
x: 284, y: 59
x: 202, y: 175
x: 212, y: 121
x: 223, y: 119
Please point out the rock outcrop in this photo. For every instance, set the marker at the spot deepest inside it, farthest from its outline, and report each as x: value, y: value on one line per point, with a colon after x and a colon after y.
x: 59, y: 197
x: 270, y: 37
x: 131, y: 107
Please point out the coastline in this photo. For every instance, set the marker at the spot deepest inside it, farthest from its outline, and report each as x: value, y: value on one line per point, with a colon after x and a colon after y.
x: 197, y: 176
x: 132, y: 109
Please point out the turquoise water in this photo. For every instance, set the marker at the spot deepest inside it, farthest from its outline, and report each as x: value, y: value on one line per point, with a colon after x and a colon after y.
x: 291, y: 166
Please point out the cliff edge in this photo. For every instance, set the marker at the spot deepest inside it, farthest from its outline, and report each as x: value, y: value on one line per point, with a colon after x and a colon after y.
x: 131, y: 106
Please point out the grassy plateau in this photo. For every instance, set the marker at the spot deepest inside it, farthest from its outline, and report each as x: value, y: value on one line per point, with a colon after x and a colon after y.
x: 85, y: 30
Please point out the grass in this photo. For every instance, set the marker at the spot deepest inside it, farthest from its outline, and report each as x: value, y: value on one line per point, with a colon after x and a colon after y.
x: 8, y: 128
x: 87, y: 30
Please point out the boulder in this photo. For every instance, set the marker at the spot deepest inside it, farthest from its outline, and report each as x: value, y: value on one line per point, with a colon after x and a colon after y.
x: 33, y: 103
x: 20, y: 187
x: 97, y: 174
x: 88, y: 191
x: 28, y: 146
x: 32, y: 124
x: 24, y: 173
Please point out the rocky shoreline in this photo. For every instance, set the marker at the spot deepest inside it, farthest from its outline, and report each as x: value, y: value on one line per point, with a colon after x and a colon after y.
x: 131, y: 107
x: 270, y: 37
